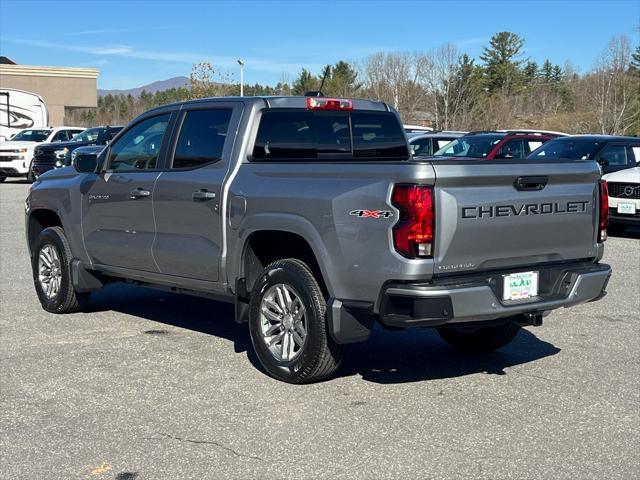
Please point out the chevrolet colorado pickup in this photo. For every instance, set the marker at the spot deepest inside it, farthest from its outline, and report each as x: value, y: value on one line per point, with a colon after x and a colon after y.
x: 310, y: 214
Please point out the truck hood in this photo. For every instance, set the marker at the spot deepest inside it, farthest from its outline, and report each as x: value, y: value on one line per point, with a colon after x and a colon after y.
x: 51, y: 147
x: 13, y: 145
x: 629, y: 175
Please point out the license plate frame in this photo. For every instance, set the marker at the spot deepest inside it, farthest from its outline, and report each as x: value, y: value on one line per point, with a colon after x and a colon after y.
x: 626, y: 208
x: 520, y: 285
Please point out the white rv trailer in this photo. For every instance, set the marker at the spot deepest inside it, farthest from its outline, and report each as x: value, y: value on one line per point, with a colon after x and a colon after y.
x: 20, y: 110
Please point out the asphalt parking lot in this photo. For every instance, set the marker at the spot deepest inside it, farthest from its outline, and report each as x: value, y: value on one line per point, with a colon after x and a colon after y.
x: 151, y: 385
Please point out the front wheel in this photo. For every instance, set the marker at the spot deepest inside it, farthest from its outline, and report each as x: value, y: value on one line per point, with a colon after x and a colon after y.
x: 288, y: 327
x: 2, y: 179
x: 480, y: 339
x: 51, y: 265
x: 31, y: 177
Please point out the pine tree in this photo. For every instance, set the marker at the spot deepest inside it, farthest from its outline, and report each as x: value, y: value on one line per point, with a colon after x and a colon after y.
x: 635, y: 61
x: 530, y: 71
x: 341, y: 81
x: 502, y: 63
x: 305, y: 82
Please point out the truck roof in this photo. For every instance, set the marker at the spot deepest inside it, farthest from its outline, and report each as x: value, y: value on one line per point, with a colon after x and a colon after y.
x: 282, y: 102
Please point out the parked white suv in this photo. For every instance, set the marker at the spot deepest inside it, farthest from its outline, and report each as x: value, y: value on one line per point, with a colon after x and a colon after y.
x: 624, y: 196
x: 17, y: 153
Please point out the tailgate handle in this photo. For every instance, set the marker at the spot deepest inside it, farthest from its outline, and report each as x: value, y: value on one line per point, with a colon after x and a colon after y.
x: 530, y: 183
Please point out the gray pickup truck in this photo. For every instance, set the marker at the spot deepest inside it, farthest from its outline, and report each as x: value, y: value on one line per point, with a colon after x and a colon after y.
x: 312, y: 216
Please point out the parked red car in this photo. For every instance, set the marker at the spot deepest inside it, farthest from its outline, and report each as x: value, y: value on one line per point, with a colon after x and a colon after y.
x: 497, y: 144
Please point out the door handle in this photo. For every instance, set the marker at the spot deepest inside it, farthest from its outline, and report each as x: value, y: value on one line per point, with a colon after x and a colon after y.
x: 530, y: 183
x: 202, y: 195
x: 139, y: 193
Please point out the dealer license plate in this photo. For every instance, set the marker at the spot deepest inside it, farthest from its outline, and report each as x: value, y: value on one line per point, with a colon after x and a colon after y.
x: 519, y: 286
x: 627, y: 208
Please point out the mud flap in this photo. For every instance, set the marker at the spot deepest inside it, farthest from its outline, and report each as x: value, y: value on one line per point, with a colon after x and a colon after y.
x: 349, y: 322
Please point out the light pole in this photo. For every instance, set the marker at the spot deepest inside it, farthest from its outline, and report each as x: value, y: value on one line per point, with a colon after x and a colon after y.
x: 241, y: 63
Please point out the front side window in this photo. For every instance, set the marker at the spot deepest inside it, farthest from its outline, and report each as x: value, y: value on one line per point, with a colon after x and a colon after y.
x: 202, y: 137
x: 475, y: 146
x: 139, y: 147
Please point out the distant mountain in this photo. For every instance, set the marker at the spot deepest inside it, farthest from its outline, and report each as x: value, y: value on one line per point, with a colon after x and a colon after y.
x: 175, y: 82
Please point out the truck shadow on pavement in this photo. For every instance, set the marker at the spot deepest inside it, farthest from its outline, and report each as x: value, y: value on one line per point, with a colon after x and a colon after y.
x: 419, y: 354
x: 387, y: 357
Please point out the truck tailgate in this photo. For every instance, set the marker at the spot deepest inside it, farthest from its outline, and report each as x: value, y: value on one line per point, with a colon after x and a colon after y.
x: 510, y: 214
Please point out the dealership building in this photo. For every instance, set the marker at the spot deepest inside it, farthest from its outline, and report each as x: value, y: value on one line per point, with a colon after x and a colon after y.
x: 66, y: 91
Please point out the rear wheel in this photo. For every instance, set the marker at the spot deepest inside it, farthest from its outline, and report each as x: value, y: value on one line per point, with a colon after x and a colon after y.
x: 51, y: 265
x: 480, y: 339
x: 288, y: 327
x: 2, y: 179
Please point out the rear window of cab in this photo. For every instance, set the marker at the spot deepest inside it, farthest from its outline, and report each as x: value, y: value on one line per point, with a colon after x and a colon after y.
x: 300, y: 135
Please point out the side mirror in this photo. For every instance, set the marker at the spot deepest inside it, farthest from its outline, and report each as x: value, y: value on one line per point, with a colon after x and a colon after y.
x: 86, y: 162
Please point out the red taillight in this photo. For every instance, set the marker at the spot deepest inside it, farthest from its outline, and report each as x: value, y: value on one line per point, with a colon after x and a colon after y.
x: 413, y: 234
x: 322, y: 103
x: 604, y: 211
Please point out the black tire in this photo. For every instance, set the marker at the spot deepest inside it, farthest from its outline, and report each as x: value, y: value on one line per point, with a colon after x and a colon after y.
x: 480, y: 339
x: 320, y: 356
x: 31, y: 177
x: 2, y: 179
x: 66, y: 300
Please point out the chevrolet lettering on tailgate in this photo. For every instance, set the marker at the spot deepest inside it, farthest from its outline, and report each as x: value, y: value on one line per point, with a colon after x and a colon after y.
x: 550, y: 208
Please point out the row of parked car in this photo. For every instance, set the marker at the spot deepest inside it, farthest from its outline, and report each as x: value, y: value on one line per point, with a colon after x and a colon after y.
x: 618, y: 157
x: 34, y: 151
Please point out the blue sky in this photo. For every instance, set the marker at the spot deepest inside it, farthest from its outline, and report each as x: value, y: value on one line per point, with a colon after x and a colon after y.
x: 139, y: 41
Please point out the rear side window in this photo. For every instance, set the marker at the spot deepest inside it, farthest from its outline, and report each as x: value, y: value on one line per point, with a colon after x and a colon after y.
x: 201, y: 138
x: 303, y: 136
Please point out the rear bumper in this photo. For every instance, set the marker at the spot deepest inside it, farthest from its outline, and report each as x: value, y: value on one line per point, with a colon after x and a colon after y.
x: 407, y: 305
x: 624, y: 219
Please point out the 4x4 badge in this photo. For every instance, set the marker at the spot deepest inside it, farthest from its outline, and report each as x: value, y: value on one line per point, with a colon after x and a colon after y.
x: 371, y: 213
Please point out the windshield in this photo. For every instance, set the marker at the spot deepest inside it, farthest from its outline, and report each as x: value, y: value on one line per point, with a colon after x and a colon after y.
x: 475, y: 146
x: 89, y: 135
x: 571, y: 149
x: 31, y: 136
